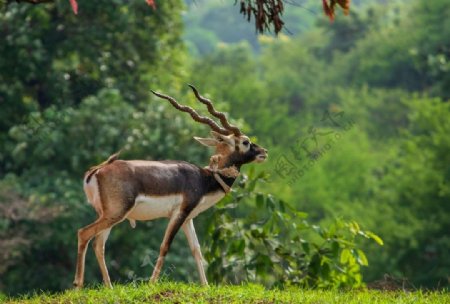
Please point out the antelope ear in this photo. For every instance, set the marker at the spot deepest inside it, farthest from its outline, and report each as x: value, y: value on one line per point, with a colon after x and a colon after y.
x: 209, y: 142
x: 223, y: 138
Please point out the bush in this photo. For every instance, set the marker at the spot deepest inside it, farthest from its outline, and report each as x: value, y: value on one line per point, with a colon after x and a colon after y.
x: 274, y: 244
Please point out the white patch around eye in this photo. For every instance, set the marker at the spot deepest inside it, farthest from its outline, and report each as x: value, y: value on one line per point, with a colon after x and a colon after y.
x: 242, y: 147
x: 245, y: 148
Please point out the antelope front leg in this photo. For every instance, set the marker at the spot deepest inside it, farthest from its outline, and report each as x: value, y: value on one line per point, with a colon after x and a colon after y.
x: 175, y: 223
x: 191, y: 236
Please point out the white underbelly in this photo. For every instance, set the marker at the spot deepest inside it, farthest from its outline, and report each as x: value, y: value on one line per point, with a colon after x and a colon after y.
x: 153, y: 207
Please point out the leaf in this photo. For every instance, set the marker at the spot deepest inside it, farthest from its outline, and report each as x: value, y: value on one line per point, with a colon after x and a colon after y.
x: 259, y: 201
x: 318, y: 230
x: 151, y: 3
x: 325, y: 270
x: 375, y: 237
x: 251, y: 185
x: 335, y: 248
x: 327, y: 10
x: 74, y: 5
x: 300, y: 214
x: 345, y: 256
x: 346, y: 243
x: 354, y: 227
x: 305, y: 246
x: 270, y: 203
x: 362, y: 259
x: 281, y: 216
x: 345, y: 4
x: 240, y: 247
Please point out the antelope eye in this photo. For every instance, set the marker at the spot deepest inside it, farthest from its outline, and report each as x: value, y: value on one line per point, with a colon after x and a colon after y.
x: 246, y: 142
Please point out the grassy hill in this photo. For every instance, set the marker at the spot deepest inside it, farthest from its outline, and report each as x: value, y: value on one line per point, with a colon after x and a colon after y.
x: 189, y: 293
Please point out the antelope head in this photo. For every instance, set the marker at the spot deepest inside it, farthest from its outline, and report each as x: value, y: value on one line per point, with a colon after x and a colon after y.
x: 234, y: 147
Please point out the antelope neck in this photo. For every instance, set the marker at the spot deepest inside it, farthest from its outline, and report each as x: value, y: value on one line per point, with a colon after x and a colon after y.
x: 225, y: 180
x: 222, y: 184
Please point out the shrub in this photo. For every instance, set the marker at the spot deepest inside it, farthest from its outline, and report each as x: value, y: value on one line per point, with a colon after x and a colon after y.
x: 272, y: 243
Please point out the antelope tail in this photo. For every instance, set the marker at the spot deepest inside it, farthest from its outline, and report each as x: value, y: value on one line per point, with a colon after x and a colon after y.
x: 94, y: 169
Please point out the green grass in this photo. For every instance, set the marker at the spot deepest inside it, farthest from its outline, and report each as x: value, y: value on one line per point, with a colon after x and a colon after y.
x: 190, y: 293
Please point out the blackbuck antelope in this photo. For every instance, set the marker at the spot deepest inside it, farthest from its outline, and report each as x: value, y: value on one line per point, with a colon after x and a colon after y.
x: 140, y: 190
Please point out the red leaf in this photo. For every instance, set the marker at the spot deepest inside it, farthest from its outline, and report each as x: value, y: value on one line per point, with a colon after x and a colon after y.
x: 74, y: 5
x: 345, y: 4
x: 151, y: 3
x: 327, y: 10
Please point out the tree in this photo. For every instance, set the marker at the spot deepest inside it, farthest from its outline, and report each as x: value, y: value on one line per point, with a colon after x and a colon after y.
x: 58, y: 59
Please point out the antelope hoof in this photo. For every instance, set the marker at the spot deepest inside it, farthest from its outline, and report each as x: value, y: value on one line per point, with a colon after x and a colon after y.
x: 77, y: 286
x: 153, y: 280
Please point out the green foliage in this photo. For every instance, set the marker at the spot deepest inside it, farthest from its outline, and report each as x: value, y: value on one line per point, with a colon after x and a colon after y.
x: 272, y: 243
x: 205, y: 26
x: 223, y: 67
x: 417, y: 50
x: 57, y: 58
x: 47, y: 136
x: 385, y: 172
x: 416, y: 180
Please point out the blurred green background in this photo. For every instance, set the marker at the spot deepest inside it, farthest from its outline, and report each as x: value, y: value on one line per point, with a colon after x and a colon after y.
x: 354, y: 112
